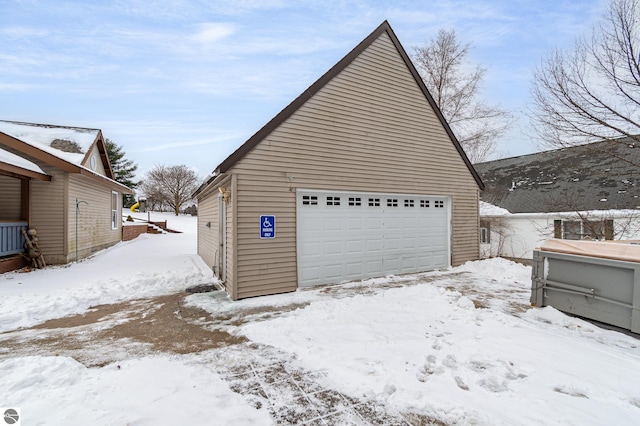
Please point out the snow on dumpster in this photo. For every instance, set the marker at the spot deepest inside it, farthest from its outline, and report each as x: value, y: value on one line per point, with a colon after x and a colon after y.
x: 592, y: 279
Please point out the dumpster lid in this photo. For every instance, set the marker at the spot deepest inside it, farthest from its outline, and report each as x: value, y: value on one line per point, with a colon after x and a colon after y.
x: 616, y: 250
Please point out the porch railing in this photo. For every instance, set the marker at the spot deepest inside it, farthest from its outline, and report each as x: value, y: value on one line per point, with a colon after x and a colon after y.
x: 11, y: 239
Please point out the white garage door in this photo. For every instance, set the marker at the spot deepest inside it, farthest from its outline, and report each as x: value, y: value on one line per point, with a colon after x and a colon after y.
x: 343, y: 236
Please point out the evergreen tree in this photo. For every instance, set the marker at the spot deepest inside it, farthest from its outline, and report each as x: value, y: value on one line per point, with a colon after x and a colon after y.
x: 123, y: 169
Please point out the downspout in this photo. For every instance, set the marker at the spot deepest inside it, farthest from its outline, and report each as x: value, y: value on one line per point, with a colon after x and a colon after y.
x: 222, y: 236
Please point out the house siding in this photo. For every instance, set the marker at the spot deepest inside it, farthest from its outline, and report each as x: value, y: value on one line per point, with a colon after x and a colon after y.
x: 99, y: 166
x: 94, y: 218
x: 208, y: 236
x: 47, y: 214
x: 11, y: 198
x: 369, y: 129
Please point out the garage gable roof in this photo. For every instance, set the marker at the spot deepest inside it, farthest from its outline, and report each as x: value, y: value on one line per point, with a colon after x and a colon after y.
x: 321, y: 82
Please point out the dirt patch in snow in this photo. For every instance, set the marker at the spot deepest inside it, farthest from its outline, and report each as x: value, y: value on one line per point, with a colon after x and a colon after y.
x: 108, y: 333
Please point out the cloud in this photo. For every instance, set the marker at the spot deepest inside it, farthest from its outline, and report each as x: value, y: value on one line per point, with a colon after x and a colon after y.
x: 190, y: 143
x: 213, y: 32
x: 23, y: 32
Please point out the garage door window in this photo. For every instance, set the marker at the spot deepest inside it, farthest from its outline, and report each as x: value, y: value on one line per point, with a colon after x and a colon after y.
x: 424, y: 203
x: 392, y: 202
x: 309, y: 200
x: 374, y: 202
x: 408, y: 203
x: 333, y: 201
x: 438, y: 204
x: 355, y: 201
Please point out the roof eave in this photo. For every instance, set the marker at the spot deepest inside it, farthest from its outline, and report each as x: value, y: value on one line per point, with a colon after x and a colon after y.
x: 105, y: 180
x: 37, y: 153
x: 20, y: 172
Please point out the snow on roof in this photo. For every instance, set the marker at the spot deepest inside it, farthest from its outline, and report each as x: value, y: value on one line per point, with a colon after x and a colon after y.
x: 487, y: 209
x: 43, y: 136
x: 16, y: 160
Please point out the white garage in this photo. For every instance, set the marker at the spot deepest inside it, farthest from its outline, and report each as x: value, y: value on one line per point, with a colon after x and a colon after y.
x: 344, y: 236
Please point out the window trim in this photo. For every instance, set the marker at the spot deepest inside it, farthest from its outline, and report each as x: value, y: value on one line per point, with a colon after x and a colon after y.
x: 114, y: 210
x: 485, y: 232
x: 563, y: 229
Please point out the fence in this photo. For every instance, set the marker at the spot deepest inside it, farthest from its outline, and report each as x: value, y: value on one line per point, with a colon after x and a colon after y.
x: 11, y: 239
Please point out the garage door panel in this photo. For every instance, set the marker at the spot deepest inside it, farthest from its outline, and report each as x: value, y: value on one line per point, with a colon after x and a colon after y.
x: 374, y: 268
x: 354, y: 269
x: 333, y: 271
x: 374, y: 223
x: 333, y: 248
x: 374, y: 245
x: 355, y: 247
x: 423, y: 240
x: 333, y: 224
x: 311, y: 273
x: 424, y: 261
x: 392, y: 244
x: 392, y: 263
x: 392, y: 223
x: 354, y: 224
x: 369, y: 235
x: 311, y: 249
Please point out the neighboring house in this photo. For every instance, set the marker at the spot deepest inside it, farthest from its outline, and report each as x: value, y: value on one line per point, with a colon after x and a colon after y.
x: 360, y: 176
x: 57, y: 179
x: 585, y: 192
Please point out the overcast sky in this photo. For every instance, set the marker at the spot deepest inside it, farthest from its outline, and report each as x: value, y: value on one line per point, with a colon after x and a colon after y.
x: 188, y: 81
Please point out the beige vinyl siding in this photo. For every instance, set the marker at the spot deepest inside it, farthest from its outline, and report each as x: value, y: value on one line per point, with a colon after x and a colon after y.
x: 369, y: 129
x: 208, y: 236
x: 99, y: 166
x: 46, y: 205
x: 11, y: 198
x: 94, y: 218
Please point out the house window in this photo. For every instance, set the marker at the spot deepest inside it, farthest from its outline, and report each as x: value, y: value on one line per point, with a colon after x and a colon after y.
x: 485, y: 232
x: 571, y: 230
x: 114, y: 210
x: 583, y: 229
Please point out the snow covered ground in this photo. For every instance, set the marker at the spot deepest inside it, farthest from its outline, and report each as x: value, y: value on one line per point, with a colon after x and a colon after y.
x: 144, y: 267
x: 462, y: 346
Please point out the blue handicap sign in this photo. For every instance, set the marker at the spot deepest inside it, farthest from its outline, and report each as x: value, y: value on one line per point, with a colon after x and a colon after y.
x: 267, y: 226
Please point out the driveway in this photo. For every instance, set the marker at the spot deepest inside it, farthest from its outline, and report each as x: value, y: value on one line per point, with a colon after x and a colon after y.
x: 263, y: 375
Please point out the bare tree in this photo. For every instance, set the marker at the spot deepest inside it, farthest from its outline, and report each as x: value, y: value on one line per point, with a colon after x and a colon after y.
x: 170, y: 185
x: 500, y: 232
x: 592, y: 92
x: 455, y: 87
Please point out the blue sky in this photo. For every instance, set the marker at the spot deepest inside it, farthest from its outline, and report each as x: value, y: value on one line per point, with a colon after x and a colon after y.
x: 188, y: 81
